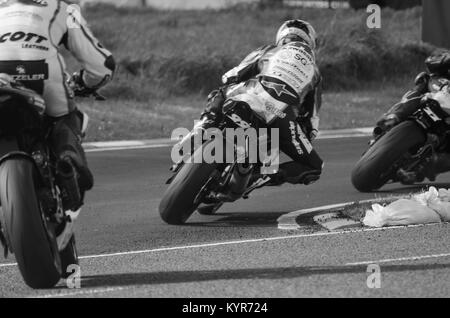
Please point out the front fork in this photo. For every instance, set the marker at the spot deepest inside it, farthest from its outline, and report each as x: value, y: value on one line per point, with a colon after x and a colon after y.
x: 239, y: 181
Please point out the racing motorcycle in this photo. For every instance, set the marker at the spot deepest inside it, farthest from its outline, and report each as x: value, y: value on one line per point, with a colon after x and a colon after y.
x: 400, y: 151
x: 206, y: 186
x: 39, y: 195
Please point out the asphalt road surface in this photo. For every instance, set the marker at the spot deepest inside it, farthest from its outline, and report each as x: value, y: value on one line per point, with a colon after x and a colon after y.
x: 240, y: 252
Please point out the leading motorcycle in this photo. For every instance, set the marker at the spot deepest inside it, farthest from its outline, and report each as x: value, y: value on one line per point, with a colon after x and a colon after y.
x: 197, y: 184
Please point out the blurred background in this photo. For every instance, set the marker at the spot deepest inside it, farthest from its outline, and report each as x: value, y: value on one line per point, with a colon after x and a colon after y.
x: 172, y: 53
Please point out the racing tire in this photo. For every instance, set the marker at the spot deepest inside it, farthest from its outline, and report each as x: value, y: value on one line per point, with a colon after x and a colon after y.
x: 32, y: 241
x: 370, y: 172
x: 178, y: 202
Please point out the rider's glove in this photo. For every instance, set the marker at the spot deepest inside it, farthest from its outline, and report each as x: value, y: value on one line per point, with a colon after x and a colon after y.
x: 313, y: 134
x: 309, y: 127
x: 80, y: 87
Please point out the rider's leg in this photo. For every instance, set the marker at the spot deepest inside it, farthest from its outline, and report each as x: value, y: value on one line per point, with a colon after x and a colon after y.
x: 67, y: 125
x: 306, y: 166
x: 65, y: 138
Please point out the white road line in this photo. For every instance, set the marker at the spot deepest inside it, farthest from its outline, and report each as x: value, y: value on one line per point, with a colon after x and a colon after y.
x: 116, y: 289
x: 268, y: 239
x: 401, y: 259
x: 8, y: 265
x: 83, y: 292
x: 227, y: 243
x: 128, y: 148
x: 101, y: 146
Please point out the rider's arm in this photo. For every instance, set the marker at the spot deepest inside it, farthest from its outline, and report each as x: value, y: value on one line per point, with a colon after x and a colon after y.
x: 311, y: 106
x: 248, y: 68
x: 97, y: 62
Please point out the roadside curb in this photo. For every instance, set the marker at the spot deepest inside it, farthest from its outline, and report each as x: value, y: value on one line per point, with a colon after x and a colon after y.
x: 165, y: 142
x: 327, y: 216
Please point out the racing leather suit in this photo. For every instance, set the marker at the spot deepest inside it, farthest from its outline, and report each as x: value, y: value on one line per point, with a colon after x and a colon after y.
x: 282, y: 84
x: 31, y: 33
x: 438, y: 66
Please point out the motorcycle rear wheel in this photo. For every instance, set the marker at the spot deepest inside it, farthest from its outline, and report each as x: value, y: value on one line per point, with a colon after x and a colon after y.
x: 32, y: 241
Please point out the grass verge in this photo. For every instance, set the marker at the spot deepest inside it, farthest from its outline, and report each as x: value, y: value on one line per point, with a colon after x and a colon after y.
x: 169, y: 60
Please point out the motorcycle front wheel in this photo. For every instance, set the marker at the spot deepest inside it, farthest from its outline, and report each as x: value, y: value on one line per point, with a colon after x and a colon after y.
x: 373, y: 170
x: 178, y: 202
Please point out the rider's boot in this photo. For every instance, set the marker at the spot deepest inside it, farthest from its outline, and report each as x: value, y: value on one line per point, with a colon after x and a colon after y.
x: 65, y: 139
x: 290, y: 172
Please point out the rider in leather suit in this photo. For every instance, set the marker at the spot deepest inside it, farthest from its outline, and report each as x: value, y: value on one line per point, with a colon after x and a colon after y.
x: 438, y: 67
x: 287, y: 74
x: 31, y: 33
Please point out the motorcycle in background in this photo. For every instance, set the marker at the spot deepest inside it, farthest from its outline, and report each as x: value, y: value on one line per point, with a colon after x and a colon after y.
x: 399, y: 151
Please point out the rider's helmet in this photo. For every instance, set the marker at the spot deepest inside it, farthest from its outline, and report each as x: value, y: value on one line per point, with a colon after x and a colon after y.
x: 439, y: 63
x: 297, y: 30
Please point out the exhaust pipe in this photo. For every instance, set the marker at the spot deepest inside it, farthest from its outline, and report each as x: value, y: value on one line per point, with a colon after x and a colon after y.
x: 67, y: 179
